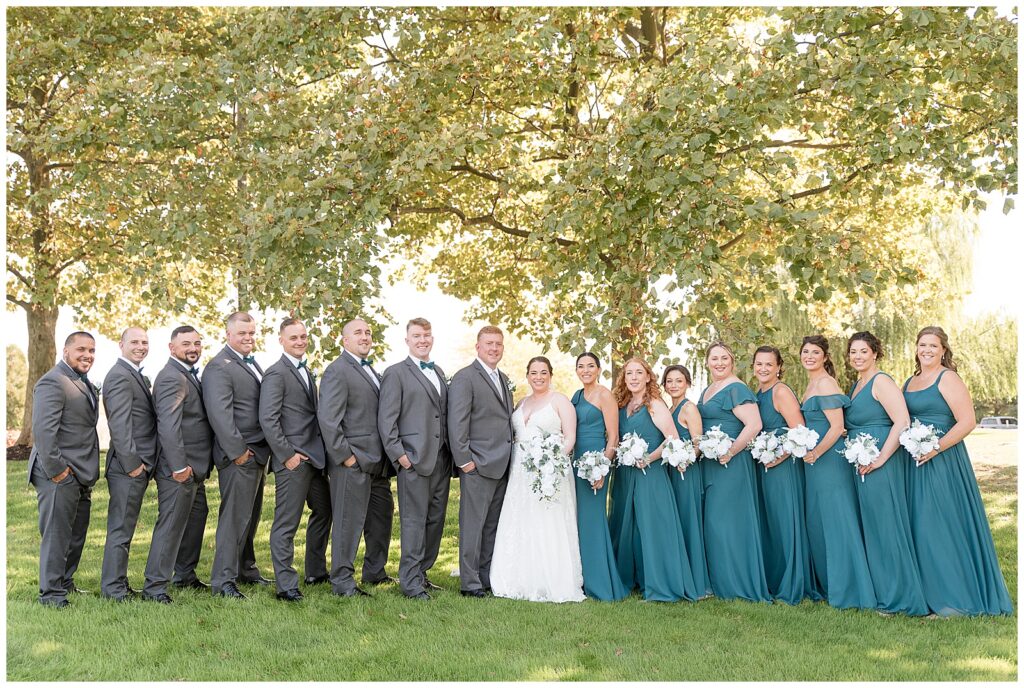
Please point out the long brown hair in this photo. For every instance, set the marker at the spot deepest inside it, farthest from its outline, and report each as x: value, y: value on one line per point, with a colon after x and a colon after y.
x: 822, y: 343
x: 947, y: 353
x: 623, y: 395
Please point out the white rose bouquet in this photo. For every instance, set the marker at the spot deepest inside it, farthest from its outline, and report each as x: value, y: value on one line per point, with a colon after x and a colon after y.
x: 800, y: 440
x: 767, y: 448
x: 920, y: 439
x: 592, y: 466
x: 861, y: 450
x: 679, y: 454
x: 546, y: 460
x: 631, y: 450
x: 715, y: 443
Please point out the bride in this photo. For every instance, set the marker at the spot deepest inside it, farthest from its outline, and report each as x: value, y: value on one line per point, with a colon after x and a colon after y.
x: 536, y: 549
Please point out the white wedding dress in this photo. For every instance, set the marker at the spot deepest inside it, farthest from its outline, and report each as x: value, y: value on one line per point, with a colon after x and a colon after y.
x: 537, y: 549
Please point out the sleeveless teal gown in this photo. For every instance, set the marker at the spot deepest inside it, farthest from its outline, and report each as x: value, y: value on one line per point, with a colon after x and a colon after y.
x: 689, y: 493
x: 645, y: 530
x: 885, y: 518
x: 838, y: 560
x: 600, y: 574
x: 732, y: 526
x: 787, y: 556
x: 959, y: 568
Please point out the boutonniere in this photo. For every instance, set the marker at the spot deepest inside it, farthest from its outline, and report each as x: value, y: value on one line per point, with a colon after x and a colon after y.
x: 447, y: 379
x: 95, y: 389
x: 149, y: 383
x: 510, y: 386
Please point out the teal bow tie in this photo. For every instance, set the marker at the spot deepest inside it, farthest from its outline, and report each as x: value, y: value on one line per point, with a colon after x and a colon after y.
x: 249, y: 359
x: 365, y: 361
x: 194, y: 371
x: 426, y: 364
x: 302, y: 363
x: 84, y: 378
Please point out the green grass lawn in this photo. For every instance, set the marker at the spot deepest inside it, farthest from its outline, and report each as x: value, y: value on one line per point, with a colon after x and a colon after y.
x: 388, y: 637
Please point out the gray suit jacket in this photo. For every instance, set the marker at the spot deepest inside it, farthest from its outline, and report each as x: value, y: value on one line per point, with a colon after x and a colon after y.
x: 288, y: 415
x: 131, y: 418
x: 348, y: 416
x: 231, y: 393
x: 64, y: 426
x: 412, y: 416
x: 182, y: 427
x: 480, y: 421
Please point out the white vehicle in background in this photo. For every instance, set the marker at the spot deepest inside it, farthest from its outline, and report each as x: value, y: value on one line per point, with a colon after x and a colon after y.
x: 1001, y: 422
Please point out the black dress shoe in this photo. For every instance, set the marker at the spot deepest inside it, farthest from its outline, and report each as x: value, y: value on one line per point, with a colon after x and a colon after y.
x: 195, y: 584
x: 162, y: 598
x: 380, y: 581
x: 290, y: 596
x: 229, y: 590
x: 430, y: 586
x: 257, y: 581
x: 420, y: 596
x: 56, y: 604
x: 472, y: 593
x: 316, y: 580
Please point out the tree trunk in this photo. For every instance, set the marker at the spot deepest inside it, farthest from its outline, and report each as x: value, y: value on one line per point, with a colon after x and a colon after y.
x: 42, y: 353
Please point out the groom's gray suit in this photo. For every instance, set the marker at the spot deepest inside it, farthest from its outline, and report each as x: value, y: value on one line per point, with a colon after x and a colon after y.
x: 412, y: 419
x: 480, y: 430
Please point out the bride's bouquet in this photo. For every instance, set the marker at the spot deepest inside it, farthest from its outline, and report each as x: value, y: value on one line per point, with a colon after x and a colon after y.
x: 766, y: 448
x: 679, y: 454
x: 592, y: 466
x: 862, y: 450
x: 920, y: 439
x: 714, y: 444
x: 631, y: 450
x: 800, y: 440
x: 545, y: 459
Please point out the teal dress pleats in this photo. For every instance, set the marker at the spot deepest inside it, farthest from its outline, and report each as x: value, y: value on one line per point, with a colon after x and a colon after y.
x: 646, y: 535
x: 838, y: 560
x: 688, y: 489
x: 732, y: 526
x: 787, y: 556
x: 600, y: 574
x: 884, y: 516
x: 959, y: 570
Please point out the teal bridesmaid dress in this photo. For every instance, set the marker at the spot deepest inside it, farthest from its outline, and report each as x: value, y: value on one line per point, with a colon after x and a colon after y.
x: 884, y: 516
x: 838, y: 560
x: 732, y: 526
x: 787, y: 556
x: 959, y: 569
x: 689, y: 493
x: 646, y: 535
x: 600, y: 574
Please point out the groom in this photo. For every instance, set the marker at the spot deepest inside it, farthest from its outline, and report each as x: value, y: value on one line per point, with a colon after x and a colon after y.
x: 480, y: 432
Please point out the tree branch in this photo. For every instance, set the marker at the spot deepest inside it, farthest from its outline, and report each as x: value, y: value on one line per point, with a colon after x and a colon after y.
x: 17, y: 273
x: 466, y: 167
x: 489, y: 220
x: 18, y: 302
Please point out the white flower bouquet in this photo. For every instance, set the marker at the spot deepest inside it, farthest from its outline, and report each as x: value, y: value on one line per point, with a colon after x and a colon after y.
x: 546, y: 460
x: 592, y: 466
x: 862, y: 450
x: 679, y: 454
x: 714, y: 443
x: 920, y: 439
x: 800, y: 440
x: 767, y: 448
x: 631, y: 450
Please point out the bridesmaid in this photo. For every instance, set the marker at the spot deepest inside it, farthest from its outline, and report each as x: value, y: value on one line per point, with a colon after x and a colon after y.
x: 648, y: 541
x: 689, y: 487
x: 597, y: 429
x: 959, y: 569
x: 787, y: 557
x: 732, y: 528
x: 838, y: 559
x: 878, y: 409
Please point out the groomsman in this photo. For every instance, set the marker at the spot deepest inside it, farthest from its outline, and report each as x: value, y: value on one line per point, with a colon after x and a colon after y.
x: 231, y: 393
x: 480, y: 431
x: 356, y: 465
x: 288, y: 399
x: 186, y: 453
x: 64, y: 465
x: 412, y: 419
x: 131, y: 458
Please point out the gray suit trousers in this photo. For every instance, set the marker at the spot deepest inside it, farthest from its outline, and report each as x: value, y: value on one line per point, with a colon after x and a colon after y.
x: 126, y: 495
x: 294, y: 490
x: 238, y: 487
x: 191, y: 547
x: 480, y: 501
x: 422, y: 505
x: 63, y: 522
x: 350, y: 498
x: 247, y: 568
x: 380, y: 517
x: 176, y: 514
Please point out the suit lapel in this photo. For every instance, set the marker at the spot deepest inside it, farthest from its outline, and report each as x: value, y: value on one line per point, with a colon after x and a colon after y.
x: 188, y: 376
x: 137, y: 376
x: 490, y: 383
x: 311, y: 389
x: 427, y: 385
x: 507, y: 395
x: 362, y: 372
x: 234, y: 357
x: 80, y: 385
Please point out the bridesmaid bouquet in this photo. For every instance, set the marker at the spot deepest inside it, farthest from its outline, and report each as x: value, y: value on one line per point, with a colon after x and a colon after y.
x: 800, y: 440
x: 592, y: 466
x: 545, y: 458
x: 862, y: 450
x: 631, y: 450
x: 767, y: 448
x: 715, y: 443
x: 920, y: 439
x: 679, y: 454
